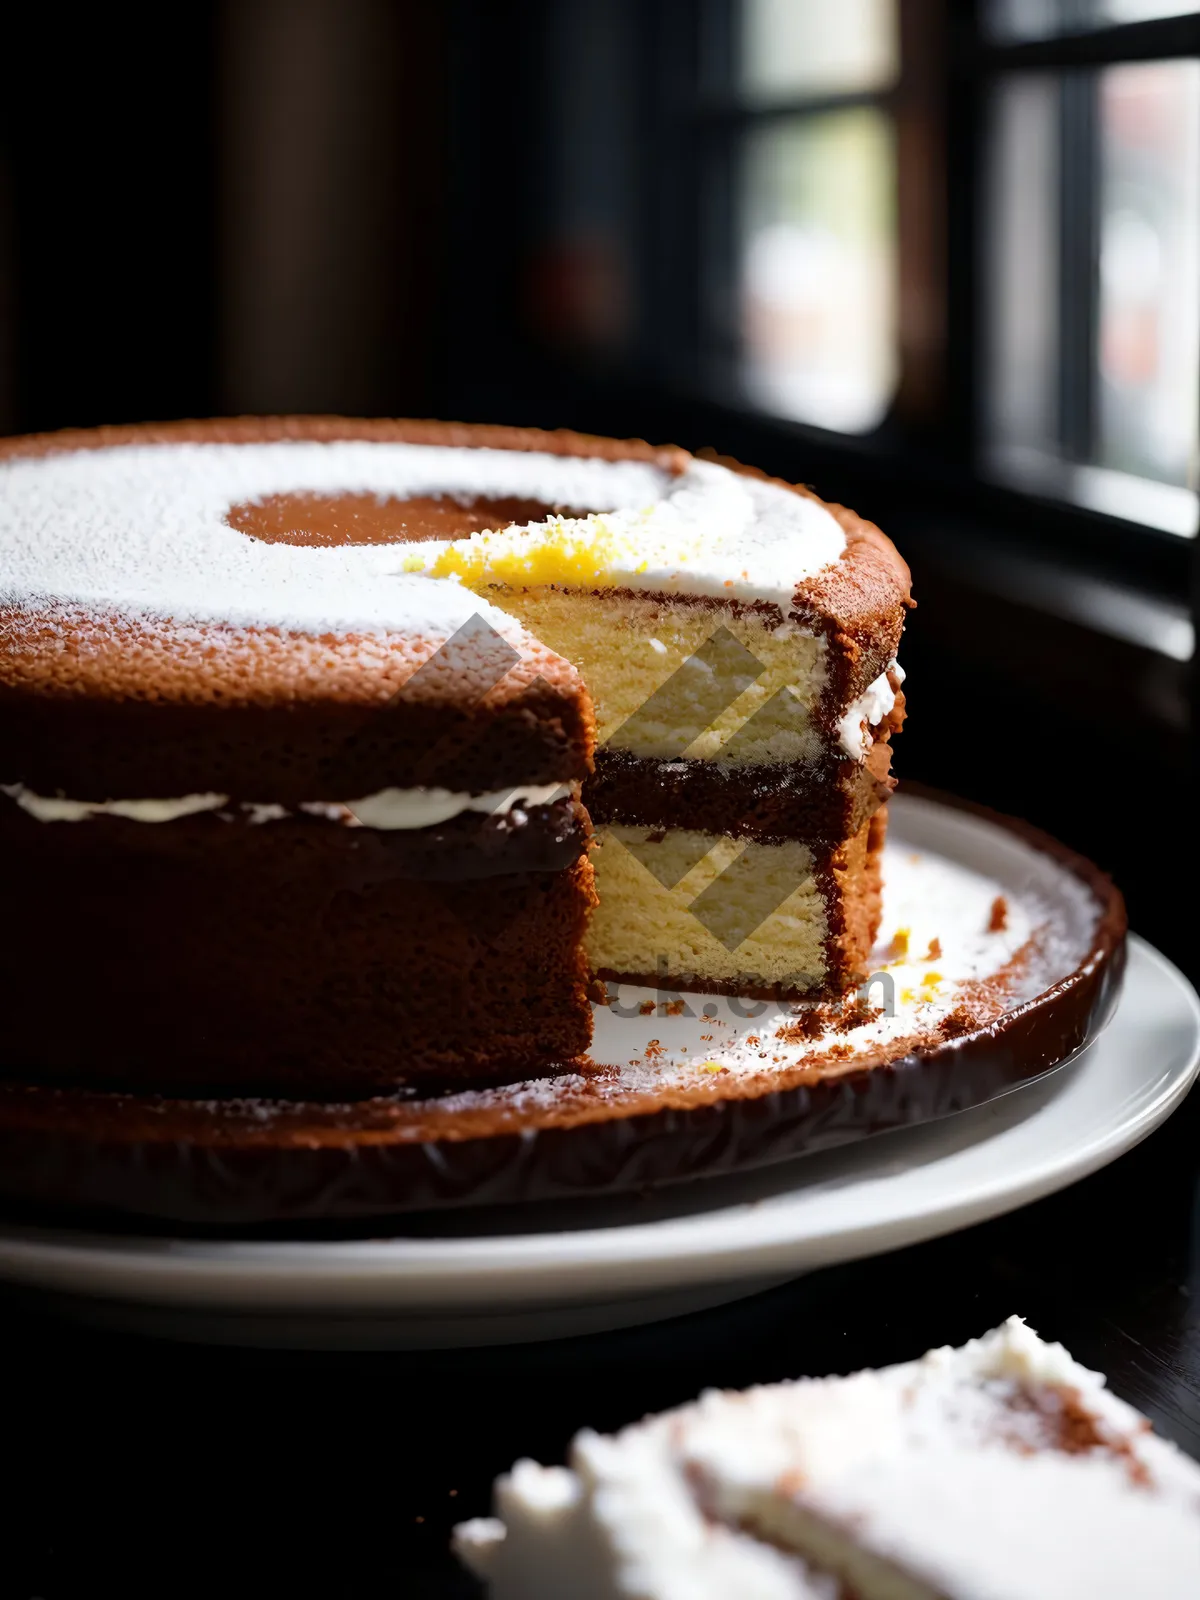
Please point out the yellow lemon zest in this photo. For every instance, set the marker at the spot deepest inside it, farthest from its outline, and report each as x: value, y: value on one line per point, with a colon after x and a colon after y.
x: 582, y: 556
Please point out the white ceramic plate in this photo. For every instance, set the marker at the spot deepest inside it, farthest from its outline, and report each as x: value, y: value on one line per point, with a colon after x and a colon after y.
x: 537, y: 1272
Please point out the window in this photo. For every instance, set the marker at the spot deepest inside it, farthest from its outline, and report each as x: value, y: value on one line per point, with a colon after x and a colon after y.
x: 807, y: 113
x: 1074, y: 371
x: 1092, y: 285
x: 943, y: 257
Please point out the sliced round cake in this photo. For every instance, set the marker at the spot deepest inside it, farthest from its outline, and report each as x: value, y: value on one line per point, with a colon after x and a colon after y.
x: 301, y: 721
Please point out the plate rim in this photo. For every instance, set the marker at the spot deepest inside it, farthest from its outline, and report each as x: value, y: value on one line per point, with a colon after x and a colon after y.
x: 547, y: 1266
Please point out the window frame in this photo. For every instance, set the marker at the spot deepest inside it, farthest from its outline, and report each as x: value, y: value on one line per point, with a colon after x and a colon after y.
x: 927, y: 458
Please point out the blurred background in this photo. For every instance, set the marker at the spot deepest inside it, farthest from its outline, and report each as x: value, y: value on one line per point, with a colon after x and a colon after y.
x: 940, y: 260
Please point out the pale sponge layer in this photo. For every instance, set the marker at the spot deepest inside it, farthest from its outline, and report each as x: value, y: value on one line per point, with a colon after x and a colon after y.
x: 669, y: 678
x: 707, y: 910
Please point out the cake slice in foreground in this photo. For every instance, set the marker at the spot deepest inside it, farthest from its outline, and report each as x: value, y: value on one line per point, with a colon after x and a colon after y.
x: 1001, y: 1471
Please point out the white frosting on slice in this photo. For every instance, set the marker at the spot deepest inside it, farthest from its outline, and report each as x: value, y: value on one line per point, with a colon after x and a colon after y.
x: 621, y: 1524
x: 424, y: 808
x: 140, y: 529
x: 713, y: 532
x: 944, y: 1476
x: 389, y: 809
x: 54, y: 808
x: 865, y: 713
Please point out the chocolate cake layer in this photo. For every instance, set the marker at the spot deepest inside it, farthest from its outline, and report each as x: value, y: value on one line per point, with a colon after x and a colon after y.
x: 292, y: 957
x: 810, y: 801
x: 92, y: 748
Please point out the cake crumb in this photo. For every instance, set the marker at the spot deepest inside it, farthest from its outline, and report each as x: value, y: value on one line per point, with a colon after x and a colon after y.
x: 934, y: 953
x: 673, y: 1008
x: 959, y: 1021
x: 646, y: 1009
x: 897, y: 950
x: 998, y: 920
x: 809, y: 1024
x: 856, y: 1015
x: 831, y: 1016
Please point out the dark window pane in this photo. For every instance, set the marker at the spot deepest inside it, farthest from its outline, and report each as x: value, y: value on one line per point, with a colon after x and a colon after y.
x: 1040, y: 19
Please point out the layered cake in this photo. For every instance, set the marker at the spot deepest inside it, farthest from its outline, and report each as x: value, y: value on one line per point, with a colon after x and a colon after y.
x: 302, y: 720
x: 739, y: 642
x: 1000, y: 1471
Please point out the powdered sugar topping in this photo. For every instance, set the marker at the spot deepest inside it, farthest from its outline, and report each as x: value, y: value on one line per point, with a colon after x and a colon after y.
x: 1000, y: 1471
x: 140, y: 530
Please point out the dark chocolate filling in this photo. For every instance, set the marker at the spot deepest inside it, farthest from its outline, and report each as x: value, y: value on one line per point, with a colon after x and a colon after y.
x: 772, y: 804
x: 548, y: 838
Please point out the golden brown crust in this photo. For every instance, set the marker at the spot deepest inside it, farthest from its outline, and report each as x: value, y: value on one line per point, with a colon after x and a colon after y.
x: 858, y: 900
x: 124, y: 711
x: 322, y: 429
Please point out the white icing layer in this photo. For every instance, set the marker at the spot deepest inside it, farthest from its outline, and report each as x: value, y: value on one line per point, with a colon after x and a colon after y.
x: 54, y: 808
x: 387, y: 810
x: 140, y: 530
x: 713, y: 532
x: 424, y: 808
x: 865, y: 713
x: 943, y: 1476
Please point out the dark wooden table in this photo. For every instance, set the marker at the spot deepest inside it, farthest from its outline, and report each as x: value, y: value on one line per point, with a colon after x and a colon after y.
x: 142, y: 1468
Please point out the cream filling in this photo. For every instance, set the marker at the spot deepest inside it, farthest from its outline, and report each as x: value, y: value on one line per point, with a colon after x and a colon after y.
x: 867, y: 712
x: 387, y: 810
x: 424, y: 808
